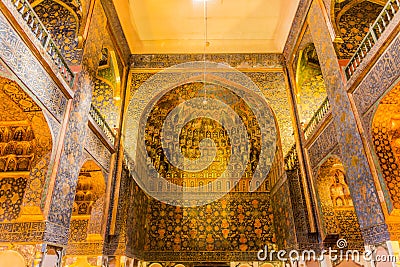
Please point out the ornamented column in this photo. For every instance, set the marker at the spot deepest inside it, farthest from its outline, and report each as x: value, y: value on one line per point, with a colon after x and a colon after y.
x: 58, y: 210
x: 360, y: 179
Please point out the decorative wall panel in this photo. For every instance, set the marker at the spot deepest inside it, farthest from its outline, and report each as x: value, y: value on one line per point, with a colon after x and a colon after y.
x: 78, y: 230
x: 22, y: 231
x: 103, y: 100
x: 136, y: 220
x: 137, y: 79
x: 97, y: 216
x: 128, y: 237
x: 283, y: 217
x: 233, y: 60
x: 273, y: 86
x: 36, y: 193
x: 11, y: 196
x: 380, y: 78
x: 324, y: 144
x: 237, y: 223
x: 299, y: 207
x: 89, y: 248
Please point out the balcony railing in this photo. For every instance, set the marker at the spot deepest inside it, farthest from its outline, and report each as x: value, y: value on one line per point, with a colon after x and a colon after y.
x: 318, y: 116
x: 101, y: 122
x: 291, y: 160
x: 38, y: 29
x: 375, y: 31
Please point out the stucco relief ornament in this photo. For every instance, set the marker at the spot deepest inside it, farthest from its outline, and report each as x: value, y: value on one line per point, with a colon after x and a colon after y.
x: 215, y: 108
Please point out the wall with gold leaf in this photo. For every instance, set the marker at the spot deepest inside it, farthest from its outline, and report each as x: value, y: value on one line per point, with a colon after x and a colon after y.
x: 310, y: 88
x: 63, y: 24
x: 386, y: 139
x: 103, y: 100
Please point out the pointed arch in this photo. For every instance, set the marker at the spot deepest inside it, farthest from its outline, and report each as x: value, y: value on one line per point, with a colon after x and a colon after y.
x: 25, y: 150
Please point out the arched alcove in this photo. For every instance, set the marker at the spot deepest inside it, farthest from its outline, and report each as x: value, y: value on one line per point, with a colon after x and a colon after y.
x: 25, y: 152
x: 195, y: 130
x: 85, y: 241
x: 338, y: 216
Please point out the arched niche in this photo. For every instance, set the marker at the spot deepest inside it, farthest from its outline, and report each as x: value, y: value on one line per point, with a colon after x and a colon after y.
x: 195, y: 131
x: 185, y: 79
x: 338, y: 216
x: 385, y: 134
x: 25, y: 151
x: 87, y: 214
